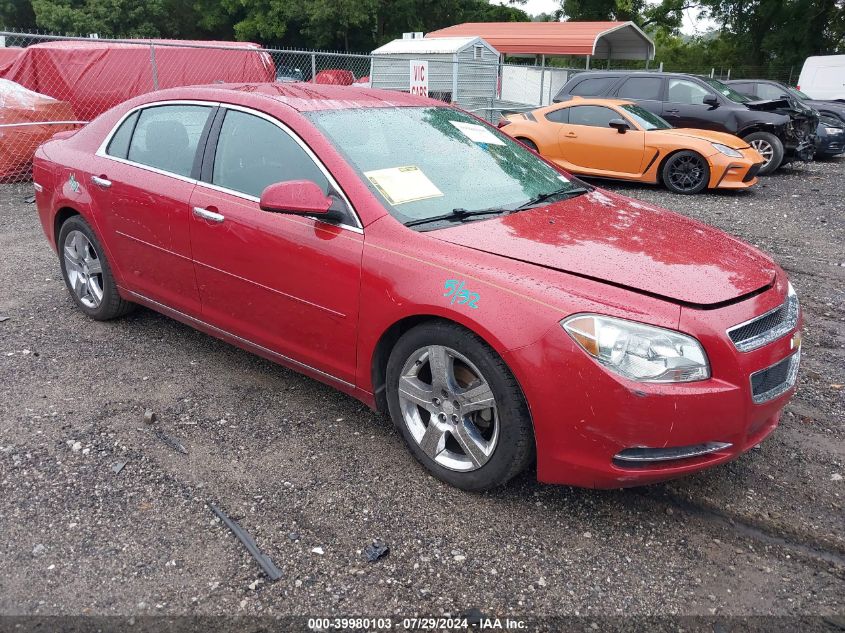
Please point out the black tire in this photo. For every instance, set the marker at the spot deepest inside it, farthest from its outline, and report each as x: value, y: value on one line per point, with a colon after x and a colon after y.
x: 770, y: 147
x: 686, y: 172
x: 111, y: 305
x: 528, y: 143
x: 514, y: 448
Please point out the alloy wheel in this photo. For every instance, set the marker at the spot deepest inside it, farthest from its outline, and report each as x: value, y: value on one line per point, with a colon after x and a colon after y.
x: 765, y: 150
x: 449, y: 408
x: 686, y: 172
x: 83, y: 268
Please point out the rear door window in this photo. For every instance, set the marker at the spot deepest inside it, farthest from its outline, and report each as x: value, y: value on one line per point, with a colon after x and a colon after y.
x: 166, y: 137
x: 593, y: 116
x: 592, y: 87
x: 686, y: 92
x: 253, y: 153
x: 641, y: 88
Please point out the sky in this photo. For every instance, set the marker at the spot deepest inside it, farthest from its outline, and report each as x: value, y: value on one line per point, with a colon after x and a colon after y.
x: 692, y: 24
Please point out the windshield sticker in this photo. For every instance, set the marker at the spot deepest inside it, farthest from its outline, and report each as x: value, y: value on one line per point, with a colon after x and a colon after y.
x: 477, y: 133
x: 403, y: 184
x: 455, y: 288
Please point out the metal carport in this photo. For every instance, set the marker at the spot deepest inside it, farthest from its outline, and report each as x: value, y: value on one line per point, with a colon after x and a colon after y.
x: 600, y: 40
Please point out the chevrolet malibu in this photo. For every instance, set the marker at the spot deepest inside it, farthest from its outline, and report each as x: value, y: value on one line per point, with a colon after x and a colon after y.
x: 499, y: 310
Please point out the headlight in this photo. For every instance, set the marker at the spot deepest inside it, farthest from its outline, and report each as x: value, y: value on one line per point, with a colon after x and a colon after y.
x: 727, y: 151
x: 637, y: 351
x: 832, y: 130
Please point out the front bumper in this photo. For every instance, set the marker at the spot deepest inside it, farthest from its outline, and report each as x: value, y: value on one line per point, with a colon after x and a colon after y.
x: 830, y: 144
x: 735, y: 173
x: 804, y: 150
x: 586, y: 416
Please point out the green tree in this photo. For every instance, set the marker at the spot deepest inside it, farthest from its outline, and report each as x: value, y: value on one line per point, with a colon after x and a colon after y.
x: 769, y: 33
x: 666, y: 14
x: 110, y: 18
x: 16, y: 14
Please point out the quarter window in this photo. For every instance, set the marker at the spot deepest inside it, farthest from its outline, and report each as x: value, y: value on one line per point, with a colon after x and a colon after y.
x: 686, y: 92
x: 594, y: 116
x: 119, y: 143
x: 253, y: 153
x: 561, y: 115
x: 592, y: 87
x: 166, y: 137
x: 641, y: 88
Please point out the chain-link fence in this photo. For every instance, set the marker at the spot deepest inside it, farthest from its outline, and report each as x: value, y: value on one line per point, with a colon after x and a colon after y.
x: 52, y: 83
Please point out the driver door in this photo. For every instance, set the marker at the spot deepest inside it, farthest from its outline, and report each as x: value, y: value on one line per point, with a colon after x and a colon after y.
x: 589, y: 142
x: 287, y: 283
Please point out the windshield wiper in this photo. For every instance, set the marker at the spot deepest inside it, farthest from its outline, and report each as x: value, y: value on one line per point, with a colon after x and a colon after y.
x: 457, y: 215
x: 568, y: 192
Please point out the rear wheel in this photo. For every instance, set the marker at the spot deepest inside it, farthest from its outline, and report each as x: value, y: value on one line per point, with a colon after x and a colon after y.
x: 528, y: 143
x: 87, y: 273
x: 769, y: 147
x: 458, y: 407
x: 686, y: 172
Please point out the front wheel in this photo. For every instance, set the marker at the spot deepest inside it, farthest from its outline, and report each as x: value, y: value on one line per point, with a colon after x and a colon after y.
x: 686, y: 172
x: 458, y: 407
x: 769, y: 147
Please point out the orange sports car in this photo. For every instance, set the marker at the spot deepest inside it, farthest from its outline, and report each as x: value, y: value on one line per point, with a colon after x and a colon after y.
x: 608, y: 138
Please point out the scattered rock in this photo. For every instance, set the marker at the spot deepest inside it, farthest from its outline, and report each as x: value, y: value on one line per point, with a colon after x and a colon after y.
x: 376, y: 550
x: 38, y: 550
x: 318, y: 550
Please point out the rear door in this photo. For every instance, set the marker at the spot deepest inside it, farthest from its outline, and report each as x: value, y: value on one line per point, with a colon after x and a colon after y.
x: 287, y: 283
x: 685, y: 107
x: 144, y: 183
x: 589, y: 142
x: 646, y: 91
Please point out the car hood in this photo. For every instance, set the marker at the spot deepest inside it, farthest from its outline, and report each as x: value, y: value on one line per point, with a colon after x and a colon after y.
x: 626, y: 243
x: 706, y: 135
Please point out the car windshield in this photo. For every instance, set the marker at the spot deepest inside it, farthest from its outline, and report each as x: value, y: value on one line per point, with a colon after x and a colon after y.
x: 797, y: 93
x: 645, y: 119
x: 423, y: 162
x: 727, y: 91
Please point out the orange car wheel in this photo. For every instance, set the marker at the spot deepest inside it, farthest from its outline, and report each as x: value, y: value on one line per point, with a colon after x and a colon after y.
x: 527, y: 143
x: 686, y: 172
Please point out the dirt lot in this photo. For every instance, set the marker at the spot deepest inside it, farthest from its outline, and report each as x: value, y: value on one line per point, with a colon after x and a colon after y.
x: 303, y: 467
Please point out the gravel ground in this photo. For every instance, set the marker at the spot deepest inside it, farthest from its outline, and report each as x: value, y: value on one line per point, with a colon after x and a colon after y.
x: 302, y: 467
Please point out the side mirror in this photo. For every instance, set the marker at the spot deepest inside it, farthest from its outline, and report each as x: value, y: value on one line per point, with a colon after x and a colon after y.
x: 620, y: 125
x: 711, y: 100
x: 301, y: 197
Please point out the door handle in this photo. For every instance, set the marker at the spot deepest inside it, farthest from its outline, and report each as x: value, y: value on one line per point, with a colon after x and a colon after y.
x: 211, y: 216
x: 672, y: 111
x: 101, y: 182
x: 571, y: 135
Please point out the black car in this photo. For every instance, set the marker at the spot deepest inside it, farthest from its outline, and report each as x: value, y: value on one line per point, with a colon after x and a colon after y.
x: 774, y: 128
x: 830, y: 134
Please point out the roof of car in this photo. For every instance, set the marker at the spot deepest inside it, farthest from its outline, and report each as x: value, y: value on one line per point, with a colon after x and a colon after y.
x: 308, y: 97
x: 600, y: 101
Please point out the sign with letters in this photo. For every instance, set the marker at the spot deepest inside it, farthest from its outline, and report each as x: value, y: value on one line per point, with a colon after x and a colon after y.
x: 419, y: 77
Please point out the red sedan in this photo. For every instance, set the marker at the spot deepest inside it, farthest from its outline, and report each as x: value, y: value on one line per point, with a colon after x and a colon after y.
x: 423, y: 262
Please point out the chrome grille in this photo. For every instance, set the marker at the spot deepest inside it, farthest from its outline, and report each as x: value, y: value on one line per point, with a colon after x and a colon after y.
x: 767, y: 327
x: 773, y: 381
